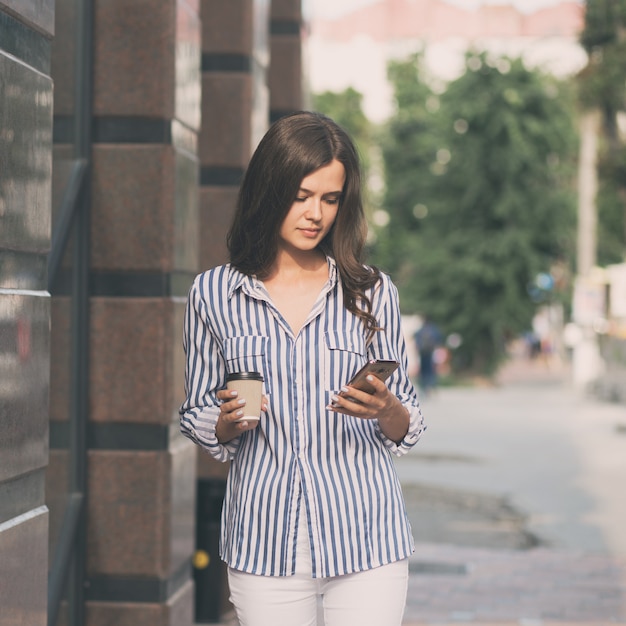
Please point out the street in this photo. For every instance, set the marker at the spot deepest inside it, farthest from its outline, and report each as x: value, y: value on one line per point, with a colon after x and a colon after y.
x: 516, y: 497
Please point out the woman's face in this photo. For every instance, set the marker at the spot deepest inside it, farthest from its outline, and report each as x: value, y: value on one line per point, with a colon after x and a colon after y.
x: 313, y: 213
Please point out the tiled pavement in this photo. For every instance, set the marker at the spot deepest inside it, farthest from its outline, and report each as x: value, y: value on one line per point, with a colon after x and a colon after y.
x: 452, y: 585
x: 537, y: 587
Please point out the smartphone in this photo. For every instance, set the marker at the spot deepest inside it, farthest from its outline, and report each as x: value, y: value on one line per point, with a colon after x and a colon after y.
x: 381, y: 369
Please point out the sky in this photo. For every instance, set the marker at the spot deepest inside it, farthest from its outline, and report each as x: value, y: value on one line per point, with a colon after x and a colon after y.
x: 361, y: 62
x: 334, y: 8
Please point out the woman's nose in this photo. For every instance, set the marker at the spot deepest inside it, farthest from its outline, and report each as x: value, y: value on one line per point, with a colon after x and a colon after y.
x: 314, y: 209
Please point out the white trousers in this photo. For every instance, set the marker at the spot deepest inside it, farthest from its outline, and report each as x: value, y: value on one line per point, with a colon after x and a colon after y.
x: 374, y: 597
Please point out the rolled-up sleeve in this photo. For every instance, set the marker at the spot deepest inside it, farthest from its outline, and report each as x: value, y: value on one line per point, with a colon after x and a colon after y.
x: 389, y: 343
x: 205, y: 374
x: 416, y: 428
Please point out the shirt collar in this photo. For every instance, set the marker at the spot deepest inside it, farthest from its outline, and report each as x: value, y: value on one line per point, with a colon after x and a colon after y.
x: 254, y: 287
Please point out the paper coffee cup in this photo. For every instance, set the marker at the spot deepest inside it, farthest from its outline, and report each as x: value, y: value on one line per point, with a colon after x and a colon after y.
x: 249, y: 387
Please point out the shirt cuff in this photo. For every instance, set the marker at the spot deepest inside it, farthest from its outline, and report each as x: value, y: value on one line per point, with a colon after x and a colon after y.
x: 416, y: 428
x: 199, y: 425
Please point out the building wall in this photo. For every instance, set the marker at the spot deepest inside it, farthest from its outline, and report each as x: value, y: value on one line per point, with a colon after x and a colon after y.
x: 26, y: 29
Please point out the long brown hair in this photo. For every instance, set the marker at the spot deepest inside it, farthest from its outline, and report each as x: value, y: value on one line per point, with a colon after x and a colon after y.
x: 295, y: 146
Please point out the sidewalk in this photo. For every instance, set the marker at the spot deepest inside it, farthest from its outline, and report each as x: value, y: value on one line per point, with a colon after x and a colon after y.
x: 541, y: 586
x: 537, y: 587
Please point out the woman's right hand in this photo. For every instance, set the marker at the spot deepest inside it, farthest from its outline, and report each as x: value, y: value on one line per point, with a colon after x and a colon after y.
x: 231, y: 410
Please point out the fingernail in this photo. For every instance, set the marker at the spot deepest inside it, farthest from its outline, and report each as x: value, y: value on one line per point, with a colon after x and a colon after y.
x: 344, y: 388
x: 369, y: 377
x: 233, y: 393
x: 242, y: 401
x: 334, y: 398
x: 239, y: 413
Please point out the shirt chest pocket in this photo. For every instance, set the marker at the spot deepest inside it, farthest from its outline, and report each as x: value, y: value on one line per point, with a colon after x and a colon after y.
x: 345, y: 354
x: 247, y: 353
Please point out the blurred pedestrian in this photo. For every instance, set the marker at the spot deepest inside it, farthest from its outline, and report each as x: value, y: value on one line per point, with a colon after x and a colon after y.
x: 428, y: 339
x: 313, y: 504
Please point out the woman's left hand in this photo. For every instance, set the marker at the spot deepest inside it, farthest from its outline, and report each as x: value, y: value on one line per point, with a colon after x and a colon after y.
x: 382, y: 405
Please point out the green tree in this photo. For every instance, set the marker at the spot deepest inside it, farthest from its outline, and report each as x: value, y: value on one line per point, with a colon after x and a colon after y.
x: 494, y: 174
x: 603, y: 87
x: 346, y: 108
x: 409, y: 142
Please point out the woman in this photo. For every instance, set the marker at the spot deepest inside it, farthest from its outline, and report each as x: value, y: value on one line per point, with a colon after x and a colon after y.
x: 313, y: 506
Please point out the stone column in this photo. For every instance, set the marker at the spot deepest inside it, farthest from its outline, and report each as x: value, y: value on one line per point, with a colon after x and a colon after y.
x: 144, y: 256
x: 235, y: 111
x: 285, y: 75
x: 26, y: 29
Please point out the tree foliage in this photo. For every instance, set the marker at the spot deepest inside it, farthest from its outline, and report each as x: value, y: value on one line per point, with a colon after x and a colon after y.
x: 409, y: 143
x: 346, y: 108
x: 479, y: 190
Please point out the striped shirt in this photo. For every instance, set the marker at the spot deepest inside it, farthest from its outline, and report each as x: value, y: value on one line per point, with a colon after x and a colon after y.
x: 302, y: 459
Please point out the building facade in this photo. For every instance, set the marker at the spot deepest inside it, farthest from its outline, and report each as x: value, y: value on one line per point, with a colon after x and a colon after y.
x: 125, y: 130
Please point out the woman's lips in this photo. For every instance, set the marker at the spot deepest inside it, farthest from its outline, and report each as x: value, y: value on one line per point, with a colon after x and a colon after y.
x: 310, y: 232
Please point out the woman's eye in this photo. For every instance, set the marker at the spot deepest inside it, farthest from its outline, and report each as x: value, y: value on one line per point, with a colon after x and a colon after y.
x: 332, y: 200
x: 301, y: 199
